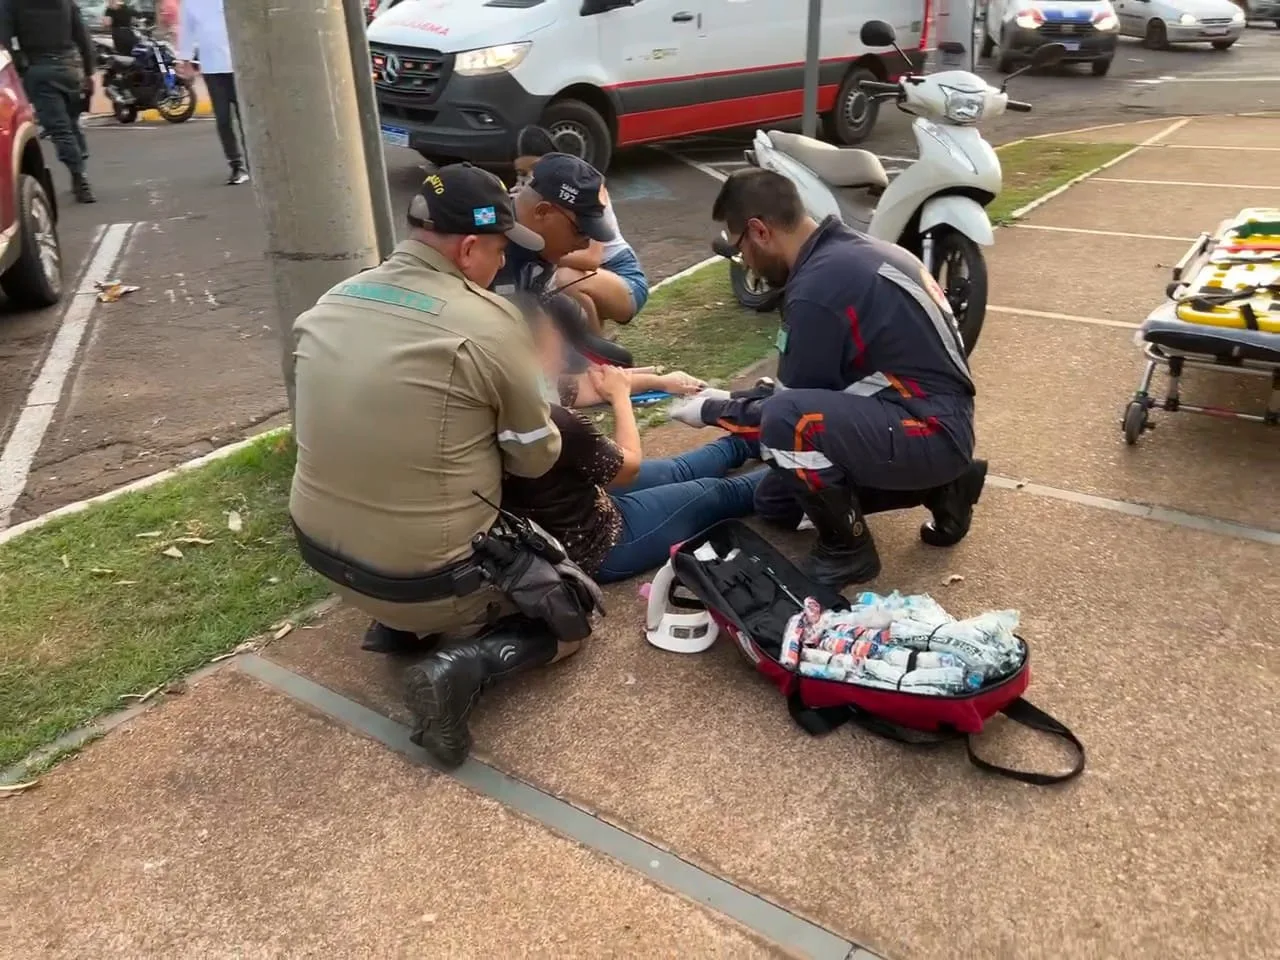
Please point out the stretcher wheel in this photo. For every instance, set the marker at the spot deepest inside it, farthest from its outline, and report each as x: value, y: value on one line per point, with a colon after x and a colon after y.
x: 1135, y: 421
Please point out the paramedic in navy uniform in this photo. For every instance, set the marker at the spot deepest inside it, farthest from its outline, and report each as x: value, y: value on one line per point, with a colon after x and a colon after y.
x: 873, y: 408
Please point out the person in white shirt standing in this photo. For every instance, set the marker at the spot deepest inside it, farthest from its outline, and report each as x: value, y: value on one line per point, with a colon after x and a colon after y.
x: 202, y: 31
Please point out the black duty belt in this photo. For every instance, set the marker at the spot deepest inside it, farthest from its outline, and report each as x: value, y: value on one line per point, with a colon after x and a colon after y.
x: 457, y: 580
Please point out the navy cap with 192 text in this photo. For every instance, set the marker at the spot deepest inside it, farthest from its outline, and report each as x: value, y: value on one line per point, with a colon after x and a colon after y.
x: 573, y: 185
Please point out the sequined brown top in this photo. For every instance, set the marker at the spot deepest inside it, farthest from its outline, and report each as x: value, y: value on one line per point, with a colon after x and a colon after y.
x: 570, y: 500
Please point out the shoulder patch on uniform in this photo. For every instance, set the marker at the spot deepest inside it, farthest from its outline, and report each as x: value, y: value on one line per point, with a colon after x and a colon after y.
x: 393, y: 295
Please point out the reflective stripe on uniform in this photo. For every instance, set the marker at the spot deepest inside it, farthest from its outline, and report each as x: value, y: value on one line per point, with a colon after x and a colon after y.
x: 796, y: 459
x: 944, y: 325
x: 524, y: 439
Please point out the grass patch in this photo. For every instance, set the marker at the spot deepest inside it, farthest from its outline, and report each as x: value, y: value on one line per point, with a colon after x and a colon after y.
x: 696, y: 325
x: 92, y: 608
x: 1034, y: 167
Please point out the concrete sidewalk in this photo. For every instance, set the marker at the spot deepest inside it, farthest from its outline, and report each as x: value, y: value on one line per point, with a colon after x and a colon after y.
x: 236, y: 820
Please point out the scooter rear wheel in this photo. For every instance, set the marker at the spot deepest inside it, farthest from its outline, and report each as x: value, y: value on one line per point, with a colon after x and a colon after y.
x: 751, y: 290
x: 125, y: 113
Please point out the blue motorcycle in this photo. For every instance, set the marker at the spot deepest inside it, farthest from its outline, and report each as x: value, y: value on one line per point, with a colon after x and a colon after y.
x: 147, y: 80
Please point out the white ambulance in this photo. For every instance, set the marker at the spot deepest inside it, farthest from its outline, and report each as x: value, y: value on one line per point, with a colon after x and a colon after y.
x: 458, y: 78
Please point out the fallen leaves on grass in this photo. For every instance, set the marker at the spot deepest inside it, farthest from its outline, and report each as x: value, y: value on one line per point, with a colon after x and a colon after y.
x: 12, y: 789
x: 142, y: 697
x: 235, y: 523
x: 173, y: 552
x: 248, y: 646
x: 150, y: 534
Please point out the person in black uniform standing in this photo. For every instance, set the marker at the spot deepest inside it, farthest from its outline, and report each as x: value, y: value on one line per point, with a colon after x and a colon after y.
x: 54, y: 55
x: 121, y: 16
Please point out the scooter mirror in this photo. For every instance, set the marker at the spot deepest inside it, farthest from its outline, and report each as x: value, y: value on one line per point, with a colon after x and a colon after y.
x: 1050, y: 55
x: 722, y: 246
x: 877, y: 33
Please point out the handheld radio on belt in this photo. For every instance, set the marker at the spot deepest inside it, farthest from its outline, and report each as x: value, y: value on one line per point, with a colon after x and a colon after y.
x: 532, y: 569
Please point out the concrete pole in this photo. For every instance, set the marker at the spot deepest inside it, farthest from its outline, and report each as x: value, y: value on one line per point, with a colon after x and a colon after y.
x: 302, y: 123
x: 370, y: 128
x: 812, y: 61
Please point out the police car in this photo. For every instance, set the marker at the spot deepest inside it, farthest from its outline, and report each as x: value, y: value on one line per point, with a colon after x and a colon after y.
x: 1087, y: 29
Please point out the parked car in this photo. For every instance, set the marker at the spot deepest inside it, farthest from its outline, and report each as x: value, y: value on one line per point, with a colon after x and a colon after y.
x: 1161, y: 23
x: 30, y: 256
x: 1260, y: 10
x: 1087, y: 30
x: 459, y: 79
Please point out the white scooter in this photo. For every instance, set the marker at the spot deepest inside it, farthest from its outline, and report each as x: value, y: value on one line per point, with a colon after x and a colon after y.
x: 934, y: 208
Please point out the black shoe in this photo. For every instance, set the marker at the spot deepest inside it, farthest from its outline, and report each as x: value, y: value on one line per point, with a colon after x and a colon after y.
x: 238, y: 175
x: 952, y: 507
x: 81, y: 189
x: 442, y: 689
x: 845, y: 552
x: 380, y: 638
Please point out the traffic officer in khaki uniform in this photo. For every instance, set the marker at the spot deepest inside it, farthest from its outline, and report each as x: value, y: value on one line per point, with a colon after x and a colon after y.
x: 416, y: 389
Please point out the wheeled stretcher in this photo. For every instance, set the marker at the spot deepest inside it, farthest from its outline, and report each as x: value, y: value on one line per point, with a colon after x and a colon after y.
x: 1222, y: 312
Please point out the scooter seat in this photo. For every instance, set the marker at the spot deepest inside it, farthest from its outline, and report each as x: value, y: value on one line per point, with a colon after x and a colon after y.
x: 837, y: 167
x: 118, y: 61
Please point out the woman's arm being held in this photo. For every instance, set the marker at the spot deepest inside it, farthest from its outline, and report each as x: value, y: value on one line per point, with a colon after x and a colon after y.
x: 614, y: 384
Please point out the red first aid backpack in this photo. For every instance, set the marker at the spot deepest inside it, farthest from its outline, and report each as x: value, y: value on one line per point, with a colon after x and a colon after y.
x: 747, y: 599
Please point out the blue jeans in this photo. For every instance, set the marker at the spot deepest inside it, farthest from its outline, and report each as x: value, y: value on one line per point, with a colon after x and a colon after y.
x: 672, y: 500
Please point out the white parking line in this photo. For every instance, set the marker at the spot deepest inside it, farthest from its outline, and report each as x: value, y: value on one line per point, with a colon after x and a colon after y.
x: 1185, y: 183
x: 1158, y: 80
x: 1215, y: 146
x: 42, y: 400
x: 1071, y: 317
x: 1150, y: 141
x: 1099, y: 233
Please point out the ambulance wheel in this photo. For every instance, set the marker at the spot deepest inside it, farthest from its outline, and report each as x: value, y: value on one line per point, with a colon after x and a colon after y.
x: 1135, y: 421
x: 853, y: 117
x: 1157, y: 35
x: 1100, y: 67
x: 751, y: 290
x: 578, y: 129
x: 1222, y: 44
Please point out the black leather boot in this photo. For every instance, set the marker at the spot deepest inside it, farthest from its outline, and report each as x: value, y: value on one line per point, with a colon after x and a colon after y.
x: 952, y: 507
x: 80, y: 187
x: 845, y: 552
x: 380, y: 638
x: 442, y: 689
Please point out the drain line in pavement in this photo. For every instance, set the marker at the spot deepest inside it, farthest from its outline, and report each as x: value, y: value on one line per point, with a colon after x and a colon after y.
x: 767, y: 919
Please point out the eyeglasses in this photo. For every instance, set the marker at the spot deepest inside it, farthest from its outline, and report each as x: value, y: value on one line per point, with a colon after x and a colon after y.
x: 582, y: 238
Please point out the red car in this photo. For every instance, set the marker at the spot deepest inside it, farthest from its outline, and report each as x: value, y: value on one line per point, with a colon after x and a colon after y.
x: 30, y: 257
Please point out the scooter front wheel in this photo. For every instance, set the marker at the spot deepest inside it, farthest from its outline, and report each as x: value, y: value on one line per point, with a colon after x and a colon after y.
x: 751, y: 290
x: 961, y: 271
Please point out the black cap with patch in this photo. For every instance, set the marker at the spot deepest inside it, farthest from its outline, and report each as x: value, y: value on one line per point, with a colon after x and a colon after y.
x: 462, y: 199
x: 573, y: 184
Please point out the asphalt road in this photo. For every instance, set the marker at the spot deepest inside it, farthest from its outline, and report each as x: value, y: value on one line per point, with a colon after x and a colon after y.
x: 188, y: 361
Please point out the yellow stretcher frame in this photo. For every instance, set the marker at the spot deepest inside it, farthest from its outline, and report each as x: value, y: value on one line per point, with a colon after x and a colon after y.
x: 1210, y: 273
x: 1171, y: 342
